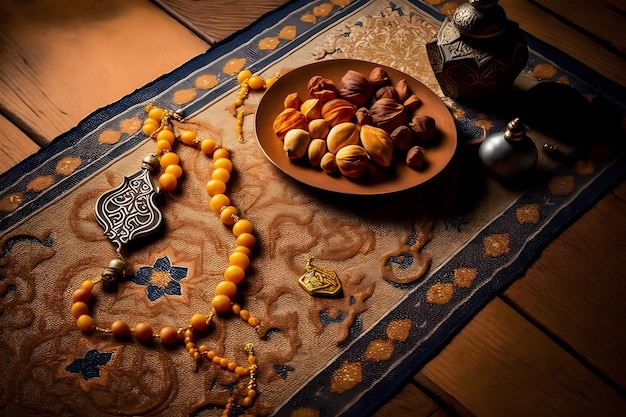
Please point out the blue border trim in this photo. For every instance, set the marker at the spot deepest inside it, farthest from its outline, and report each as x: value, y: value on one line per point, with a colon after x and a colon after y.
x: 527, y: 241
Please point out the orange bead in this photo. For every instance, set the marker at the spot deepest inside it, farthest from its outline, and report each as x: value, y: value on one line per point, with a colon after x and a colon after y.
x: 220, y: 174
x: 227, y: 216
x: 244, y: 314
x: 175, y: 170
x: 198, y: 321
x: 218, y: 201
x: 168, y: 335
x: 87, y: 284
x: 224, y: 363
x: 79, y: 308
x: 241, y: 371
x: 150, y: 126
x: 246, y: 239
x: 253, y: 321
x: 227, y: 288
x: 232, y: 366
x: 169, y: 158
x: 85, y: 323
x: 155, y: 113
x: 168, y: 181
x: 252, y: 393
x: 240, y: 259
x: 120, y: 329
x: 221, y: 304
x: 242, y: 226
x: 208, y: 146
x: 163, y: 146
x: 167, y: 135
x: 270, y: 82
x: 143, y: 332
x: 243, y: 249
x: 216, y: 359
x: 221, y: 153
x: 223, y: 163
x: 246, y: 402
x: 234, y: 273
x: 214, y: 187
x: 243, y: 75
x: 236, y: 309
x: 256, y: 82
x: 188, y: 137
x: 81, y: 294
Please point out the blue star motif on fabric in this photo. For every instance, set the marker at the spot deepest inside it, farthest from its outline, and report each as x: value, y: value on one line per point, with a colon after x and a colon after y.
x: 88, y: 366
x: 161, y: 278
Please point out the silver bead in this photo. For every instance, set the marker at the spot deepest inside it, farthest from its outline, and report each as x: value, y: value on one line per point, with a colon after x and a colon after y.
x: 115, y: 271
x: 150, y: 162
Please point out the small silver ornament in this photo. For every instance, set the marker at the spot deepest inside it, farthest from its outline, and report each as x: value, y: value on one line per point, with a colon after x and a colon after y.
x: 510, y: 153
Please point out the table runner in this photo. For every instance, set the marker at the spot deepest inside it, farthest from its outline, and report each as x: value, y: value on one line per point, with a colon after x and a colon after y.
x: 415, y: 266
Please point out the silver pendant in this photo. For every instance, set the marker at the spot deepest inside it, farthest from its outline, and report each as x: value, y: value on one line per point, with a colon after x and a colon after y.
x: 129, y: 211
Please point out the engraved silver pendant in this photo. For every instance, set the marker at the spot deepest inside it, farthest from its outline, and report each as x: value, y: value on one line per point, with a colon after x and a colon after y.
x: 129, y: 211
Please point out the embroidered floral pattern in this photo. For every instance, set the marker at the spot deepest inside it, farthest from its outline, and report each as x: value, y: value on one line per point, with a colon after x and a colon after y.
x: 161, y: 278
x: 88, y: 366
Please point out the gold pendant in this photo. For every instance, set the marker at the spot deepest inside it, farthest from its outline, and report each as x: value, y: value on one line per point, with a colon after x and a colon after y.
x: 320, y: 282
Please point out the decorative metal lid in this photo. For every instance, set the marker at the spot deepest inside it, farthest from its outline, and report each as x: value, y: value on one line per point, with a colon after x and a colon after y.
x: 480, y: 19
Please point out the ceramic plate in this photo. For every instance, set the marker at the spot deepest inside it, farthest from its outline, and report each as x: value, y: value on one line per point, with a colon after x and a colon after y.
x: 376, y: 180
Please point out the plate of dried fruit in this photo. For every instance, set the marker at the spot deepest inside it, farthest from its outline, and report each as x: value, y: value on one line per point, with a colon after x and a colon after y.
x: 355, y: 127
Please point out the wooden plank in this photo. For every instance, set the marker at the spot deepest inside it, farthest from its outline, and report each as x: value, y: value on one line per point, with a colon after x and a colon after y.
x: 576, y: 290
x: 14, y: 145
x: 63, y: 60
x: 569, y: 40
x: 410, y: 401
x: 501, y: 365
x: 599, y: 18
x: 214, y: 20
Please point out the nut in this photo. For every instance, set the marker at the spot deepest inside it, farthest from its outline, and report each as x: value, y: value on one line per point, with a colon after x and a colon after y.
x: 352, y: 161
x: 402, y: 138
x: 318, y: 128
x: 403, y: 89
x: 343, y: 134
x: 411, y: 103
x: 388, y: 114
x: 292, y: 101
x: 322, y: 88
x: 356, y: 88
x: 317, y: 149
x: 415, y: 157
x: 387, y: 92
x: 329, y: 163
x: 423, y: 127
x: 337, y: 111
x: 288, y: 119
x: 363, y: 117
x: 378, y: 145
x: 311, y: 108
x: 378, y: 78
x: 296, y: 143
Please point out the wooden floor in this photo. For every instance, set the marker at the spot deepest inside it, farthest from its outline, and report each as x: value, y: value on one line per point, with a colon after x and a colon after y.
x: 553, y: 344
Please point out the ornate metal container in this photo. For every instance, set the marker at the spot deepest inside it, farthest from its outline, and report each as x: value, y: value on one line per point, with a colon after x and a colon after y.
x: 479, y: 52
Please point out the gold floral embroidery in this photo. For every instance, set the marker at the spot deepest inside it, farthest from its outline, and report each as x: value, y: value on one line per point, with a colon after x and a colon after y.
x: 440, y: 293
x: 399, y: 330
x: 348, y: 376
x: 379, y: 350
x: 496, y: 245
x: 528, y: 213
x: 463, y: 277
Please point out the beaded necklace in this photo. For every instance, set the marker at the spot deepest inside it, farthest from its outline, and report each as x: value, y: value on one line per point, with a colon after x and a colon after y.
x: 159, y: 126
